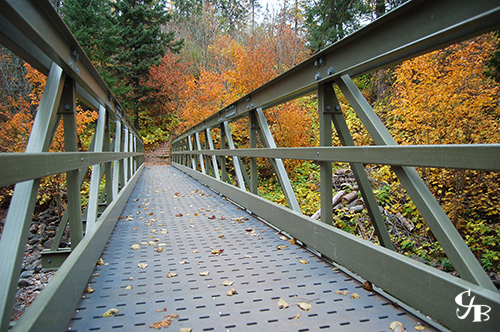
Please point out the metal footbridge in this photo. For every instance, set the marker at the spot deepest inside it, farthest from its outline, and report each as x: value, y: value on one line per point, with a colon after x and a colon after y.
x: 193, y: 245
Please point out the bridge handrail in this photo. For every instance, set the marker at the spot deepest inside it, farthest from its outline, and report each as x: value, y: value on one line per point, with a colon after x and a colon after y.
x: 415, y: 28
x: 34, y: 31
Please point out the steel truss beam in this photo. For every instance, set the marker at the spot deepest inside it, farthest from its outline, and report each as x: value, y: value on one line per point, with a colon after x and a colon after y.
x: 422, y: 26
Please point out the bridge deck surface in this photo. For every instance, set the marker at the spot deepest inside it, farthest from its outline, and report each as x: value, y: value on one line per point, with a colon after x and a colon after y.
x: 170, y: 210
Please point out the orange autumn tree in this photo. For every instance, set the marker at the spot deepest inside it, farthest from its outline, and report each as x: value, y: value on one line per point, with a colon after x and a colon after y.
x: 444, y: 97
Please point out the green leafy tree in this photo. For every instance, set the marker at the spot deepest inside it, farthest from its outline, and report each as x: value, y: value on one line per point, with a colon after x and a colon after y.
x: 140, y: 44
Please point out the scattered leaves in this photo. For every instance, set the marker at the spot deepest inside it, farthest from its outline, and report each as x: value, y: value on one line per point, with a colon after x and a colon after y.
x: 110, y: 312
x: 89, y: 290
x: 292, y: 240
x: 221, y: 236
x: 204, y: 273
x: 179, y: 215
x: 195, y: 251
x: 129, y: 287
x: 142, y: 265
x: 304, y: 306
x: 302, y: 261
x: 419, y: 327
x: 171, y: 275
x: 284, y: 238
x: 100, y: 261
x: 159, y: 249
x: 343, y: 293
x: 296, y: 316
x: 280, y: 247
x: 164, y: 323
x: 217, y: 252
x: 231, y: 292
x: 228, y: 283
x: 354, y: 296
x: 397, y: 327
x: 183, y: 262
x: 212, y: 217
x: 282, y: 304
x: 137, y: 199
x: 186, y: 329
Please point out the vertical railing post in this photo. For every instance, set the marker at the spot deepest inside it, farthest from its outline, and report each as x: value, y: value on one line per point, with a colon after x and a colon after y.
x: 74, y: 207
x: 253, y: 126
x: 126, y: 161
x: 108, y: 189
x: 20, y: 214
x: 325, y: 107
x: 223, y: 160
x: 210, y: 141
x: 236, y: 163
x: 200, y: 156
x: 117, y: 164
x: 95, y: 178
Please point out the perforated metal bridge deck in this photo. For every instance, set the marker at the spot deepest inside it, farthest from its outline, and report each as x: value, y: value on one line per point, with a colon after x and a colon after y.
x: 170, y: 210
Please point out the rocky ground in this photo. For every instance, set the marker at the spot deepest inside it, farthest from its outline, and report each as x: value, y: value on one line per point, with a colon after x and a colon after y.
x: 42, y: 232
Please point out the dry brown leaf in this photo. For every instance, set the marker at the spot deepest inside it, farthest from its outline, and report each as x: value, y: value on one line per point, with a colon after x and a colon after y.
x: 135, y: 200
x: 343, y: 293
x: 110, y: 312
x: 354, y: 296
x: 129, y: 287
x: 221, y: 236
x: 282, y: 304
x: 301, y: 261
x: 100, y: 261
x: 195, y: 251
x: 419, y: 327
x: 397, y: 327
x: 89, y: 290
x: 183, y: 262
x: 368, y: 286
x: 284, y: 238
x: 150, y: 213
x: 231, y: 292
x: 186, y: 329
x: 296, y: 316
x: 204, y: 273
x: 153, y: 231
x: 228, y: 283
x: 171, y: 275
x: 162, y: 310
x: 152, y: 243
x: 142, y: 265
x: 292, y: 241
x: 304, y: 306
x: 280, y: 247
x: 131, y: 278
x: 192, y: 226
x: 217, y: 252
x: 212, y: 217
x: 159, y: 249
x: 179, y: 215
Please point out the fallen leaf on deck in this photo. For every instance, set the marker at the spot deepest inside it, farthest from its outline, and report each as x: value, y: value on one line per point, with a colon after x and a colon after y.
x: 282, y: 304
x: 354, y: 296
x: 135, y: 200
x: 221, y: 236
x: 212, y: 217
x: 284, y: 238
x: 183, y: 262
x: 343, y: 293
x: 135, y: 247
x: 89, y: 290
x: 162, y: 310
x: 171, y: 275
x: 143, y: 242
x: 304, y: 306
x: 159, y: 249
x: 135, y: 228
x: 231, y: 292
x: 150, y: 213
x: 419, y: 327
x: 228, y: 283
x: 296, y: 316
x: 129, y: 287
x: 153, y: 231
x: 195, y: 251
x: 152, y: 243
x: 217, y: 252
x: 397, y: 326
x: 179, y: 215
x: 100, y: 261
x: 240, y: 219
x: 280, y: 247
x: 301, y: 261
x: 110, y: 312
x: 292, y: 240
x: 368, y: 286
x: 192, y: 226
x: 186, y: 329
x: 142, y: 265
x: 204, y: 274
x: 138, y: 212
x: 222, y: 218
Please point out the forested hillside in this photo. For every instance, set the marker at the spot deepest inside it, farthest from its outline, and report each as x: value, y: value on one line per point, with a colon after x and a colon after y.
x: 171, y: 64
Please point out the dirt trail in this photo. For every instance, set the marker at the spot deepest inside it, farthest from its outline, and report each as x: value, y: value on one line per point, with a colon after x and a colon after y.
x: 159, y: 156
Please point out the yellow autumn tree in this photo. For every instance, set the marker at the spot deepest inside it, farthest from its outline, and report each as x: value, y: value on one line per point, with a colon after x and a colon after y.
x: 444, y: 97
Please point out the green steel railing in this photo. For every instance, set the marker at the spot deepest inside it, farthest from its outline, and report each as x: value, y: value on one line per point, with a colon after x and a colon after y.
x: 35, y: 32
x: 413, y: 29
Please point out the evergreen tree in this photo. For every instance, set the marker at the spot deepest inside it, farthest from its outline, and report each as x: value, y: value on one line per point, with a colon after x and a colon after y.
x: 141, y: 43
x: 331, y: 20
x: 91, y: 24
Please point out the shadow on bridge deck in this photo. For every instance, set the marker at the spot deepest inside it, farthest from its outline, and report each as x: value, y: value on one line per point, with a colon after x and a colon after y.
x: 206, y: 242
